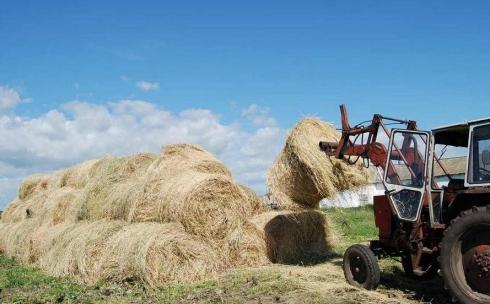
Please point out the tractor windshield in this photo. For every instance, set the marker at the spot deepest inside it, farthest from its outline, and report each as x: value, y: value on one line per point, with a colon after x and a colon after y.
x: 480, y: 153
x: 407, y: 160
x: 405, y: 172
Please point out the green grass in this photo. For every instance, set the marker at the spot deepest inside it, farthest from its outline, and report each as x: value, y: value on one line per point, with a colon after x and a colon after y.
x: 23, y: 284
x: 355, y: 225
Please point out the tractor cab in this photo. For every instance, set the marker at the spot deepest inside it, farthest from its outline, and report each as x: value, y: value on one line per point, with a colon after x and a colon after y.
x: 474, y: 137
x: 461, y: 154
x: 423, y: 167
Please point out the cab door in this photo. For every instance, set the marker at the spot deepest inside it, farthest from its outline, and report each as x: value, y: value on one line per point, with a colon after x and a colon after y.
x: 478, y: 170
x: 406, y: 171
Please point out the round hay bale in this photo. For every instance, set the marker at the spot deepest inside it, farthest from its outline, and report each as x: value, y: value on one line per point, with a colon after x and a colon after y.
x: 295, y: 237
x: 10, y: 212
x: 49, y: 206
x: 157, y: 254
x: 104, y: 177
x: 244, y: 246
x: 138, y: 164
x: 32, y: 184
x: 28, y: 208
x: 122, y: 199
x: 16, y: 240
x: 75, y: 249
x: 77, y: 176
x: 208, y: 205
x: 254, y: 201
x: 59, y: 203
x: 304, y: 173
x: 185, y: 157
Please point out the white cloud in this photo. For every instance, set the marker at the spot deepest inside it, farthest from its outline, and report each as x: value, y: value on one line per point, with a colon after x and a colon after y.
x: 9, y: 98
x: 147, y: 86
x: 80, y: 130
x: 259, y: 116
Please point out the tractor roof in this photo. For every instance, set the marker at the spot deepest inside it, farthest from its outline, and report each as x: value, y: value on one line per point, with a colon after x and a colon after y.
x: 457, y: 134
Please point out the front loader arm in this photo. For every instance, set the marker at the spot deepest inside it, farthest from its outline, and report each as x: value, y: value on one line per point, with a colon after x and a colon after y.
x: 370, y: 149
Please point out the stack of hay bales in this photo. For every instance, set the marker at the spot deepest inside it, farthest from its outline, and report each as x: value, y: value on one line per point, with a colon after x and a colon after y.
x: 174, y: 217
x: 302, y: 174
x: 300, y: 177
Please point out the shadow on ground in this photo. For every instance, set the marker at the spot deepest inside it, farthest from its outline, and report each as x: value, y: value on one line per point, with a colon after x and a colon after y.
x: 424, y: 291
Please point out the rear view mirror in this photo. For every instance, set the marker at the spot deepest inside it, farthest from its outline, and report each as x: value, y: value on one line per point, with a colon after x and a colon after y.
x: 485, y: 157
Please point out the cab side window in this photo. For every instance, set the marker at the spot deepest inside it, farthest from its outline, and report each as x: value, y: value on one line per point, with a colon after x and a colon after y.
x: 480, y: 152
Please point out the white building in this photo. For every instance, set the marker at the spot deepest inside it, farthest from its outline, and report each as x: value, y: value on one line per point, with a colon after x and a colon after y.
x: 364, y: 195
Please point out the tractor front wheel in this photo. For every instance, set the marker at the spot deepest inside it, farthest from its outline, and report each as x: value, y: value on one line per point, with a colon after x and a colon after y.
x: 361, y: 267
x: 465, y: 256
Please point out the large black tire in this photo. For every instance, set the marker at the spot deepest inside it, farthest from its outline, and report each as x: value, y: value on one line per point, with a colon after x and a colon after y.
x: 361, y: 267
x: 460, y: 248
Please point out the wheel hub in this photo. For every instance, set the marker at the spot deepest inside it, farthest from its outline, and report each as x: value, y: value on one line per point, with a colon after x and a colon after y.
x: 482, y: 259
x: 358, y: 269
x: 477, y: 268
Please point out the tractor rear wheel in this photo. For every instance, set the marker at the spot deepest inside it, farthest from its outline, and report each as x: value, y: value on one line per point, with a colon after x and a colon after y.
x: 361, y: 267
x: 465, y: 256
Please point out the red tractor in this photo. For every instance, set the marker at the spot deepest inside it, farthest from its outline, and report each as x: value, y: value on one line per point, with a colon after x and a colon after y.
x: 432, y: 228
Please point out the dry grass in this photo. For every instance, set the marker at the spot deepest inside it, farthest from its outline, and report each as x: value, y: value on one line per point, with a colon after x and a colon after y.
x: 304, y: 173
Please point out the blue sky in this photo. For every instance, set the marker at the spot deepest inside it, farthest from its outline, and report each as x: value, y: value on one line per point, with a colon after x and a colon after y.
x: 406, y: 59
x: 423, y: 60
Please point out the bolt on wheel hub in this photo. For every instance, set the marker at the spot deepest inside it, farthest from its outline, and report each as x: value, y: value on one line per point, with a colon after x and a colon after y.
x: 476, y: 264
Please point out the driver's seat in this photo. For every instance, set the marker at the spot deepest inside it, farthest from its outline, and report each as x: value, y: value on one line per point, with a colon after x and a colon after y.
x: 455, y: 184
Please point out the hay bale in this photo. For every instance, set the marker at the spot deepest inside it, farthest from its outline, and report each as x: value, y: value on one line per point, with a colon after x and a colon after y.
x: 156, y: 254
x: 185, y: 184
x: 205, y: 204
x: 185, y: 157
x: 255, y: 202
x: 304, y: 173
x: 77, y: 176
x: 153, y: 253
x: 244, y: 246
x: 59, y: 203
x: 295, y: 237
x: 76, y: 249
x: 20, y: 210
x: 16, y: 240
x: 11, y: 209
x: 33, y: 184
x: 208, y: 205
x: 105, y: 176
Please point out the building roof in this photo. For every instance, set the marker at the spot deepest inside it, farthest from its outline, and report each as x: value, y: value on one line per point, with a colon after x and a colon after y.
x: 454, y: 166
